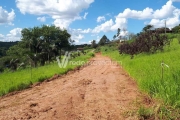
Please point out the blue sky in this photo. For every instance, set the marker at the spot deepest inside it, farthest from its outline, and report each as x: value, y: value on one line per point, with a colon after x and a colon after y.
x: 86, y: 20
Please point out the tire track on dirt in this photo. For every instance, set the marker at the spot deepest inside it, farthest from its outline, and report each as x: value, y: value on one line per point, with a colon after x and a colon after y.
x: 95, y: 92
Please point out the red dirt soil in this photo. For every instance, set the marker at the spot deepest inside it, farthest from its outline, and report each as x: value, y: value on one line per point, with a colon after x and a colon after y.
x: 95, y: 92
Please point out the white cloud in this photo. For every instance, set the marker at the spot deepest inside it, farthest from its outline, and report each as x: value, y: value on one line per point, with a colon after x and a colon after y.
x: 14, y: 35
x: 101, y: 18
x: 175, y: 0
x: 106, y: 26
x: 149, y: 13
x: 1, y: 36
x: 98, y: 39
x: 62, y: 23
x: 80, y: 31
x: 156, y: 17
x: 86, y: 30
x: 144, y: 14
x: 165, y: 11
x: 89, y: 41
x: 169, y: 13
x: 63, y: 12
x: 41, y: 19
x: 85, y: 15
x: 77, y: 38
x: 124, y: 32
x: 119, y: 23
x: 78, y: 34
x: 6, y: 17
x: 170, y: 22
x: 111, y: 25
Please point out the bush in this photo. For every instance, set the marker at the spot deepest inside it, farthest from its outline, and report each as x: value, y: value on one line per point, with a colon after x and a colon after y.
x: 148, y: 42
x: 92, y: 54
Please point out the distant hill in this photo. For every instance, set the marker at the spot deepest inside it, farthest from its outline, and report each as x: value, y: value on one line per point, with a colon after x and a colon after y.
x: 4, y: 46
x: 7, y: 44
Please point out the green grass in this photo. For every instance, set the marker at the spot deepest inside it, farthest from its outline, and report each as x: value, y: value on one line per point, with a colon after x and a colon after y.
x: 21, y: 79
x: 146, y: 69
x: 145, y: 113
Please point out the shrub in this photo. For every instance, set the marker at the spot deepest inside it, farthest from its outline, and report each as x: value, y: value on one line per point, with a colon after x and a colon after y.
x: 148, y: 42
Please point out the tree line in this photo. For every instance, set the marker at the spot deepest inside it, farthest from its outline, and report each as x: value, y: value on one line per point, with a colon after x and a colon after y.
x: 38, y: 45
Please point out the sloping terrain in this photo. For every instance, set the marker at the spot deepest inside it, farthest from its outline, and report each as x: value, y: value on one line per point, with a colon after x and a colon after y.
x: 99, y: 91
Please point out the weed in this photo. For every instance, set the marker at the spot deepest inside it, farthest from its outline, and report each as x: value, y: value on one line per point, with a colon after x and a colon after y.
x: 145, y: 113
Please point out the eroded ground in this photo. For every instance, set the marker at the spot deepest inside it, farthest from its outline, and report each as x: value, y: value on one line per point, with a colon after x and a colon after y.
x: 95, y: 92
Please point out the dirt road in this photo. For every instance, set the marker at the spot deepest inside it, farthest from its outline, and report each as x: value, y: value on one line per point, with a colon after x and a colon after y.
x: 96, y: 92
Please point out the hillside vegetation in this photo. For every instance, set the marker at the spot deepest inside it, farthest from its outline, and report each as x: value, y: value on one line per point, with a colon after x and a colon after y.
x: 158, y: 73
x: 23, y: 78
x: 4, y: 46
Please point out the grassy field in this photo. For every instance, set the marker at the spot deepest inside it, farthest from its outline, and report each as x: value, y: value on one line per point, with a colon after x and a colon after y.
x: 159, y: 80
x: 21, y: 79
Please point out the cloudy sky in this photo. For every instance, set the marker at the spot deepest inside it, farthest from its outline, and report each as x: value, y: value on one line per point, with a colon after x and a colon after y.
x: 86, y: 20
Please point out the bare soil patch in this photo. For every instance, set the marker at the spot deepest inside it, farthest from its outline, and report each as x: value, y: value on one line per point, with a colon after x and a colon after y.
x: 95, y: 92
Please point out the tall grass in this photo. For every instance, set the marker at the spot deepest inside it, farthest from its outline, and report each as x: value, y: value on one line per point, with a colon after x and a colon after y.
x: 21, y: 79
x: 146, y: 69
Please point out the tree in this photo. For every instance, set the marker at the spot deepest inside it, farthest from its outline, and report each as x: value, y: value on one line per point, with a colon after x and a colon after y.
x: 93, y: 44
x: 4, y: 46
x: 103, y: 40
x: 147, y: 27
x: 114, y: 37
x: 118, y: 32
x: 176, y: 29
x: 46, y: 42
x: 40, y: 44
x: 2, y: 51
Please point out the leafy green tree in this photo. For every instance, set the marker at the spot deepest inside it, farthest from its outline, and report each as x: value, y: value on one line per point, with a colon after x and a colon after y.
x: 46, y: 42
x: 114, y: 37
x: 176, y: 29
x: 147, y: 27
x: 18, y: 50
x: 93, y: 44
x: 103, y: 40
x: 38, y: 44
